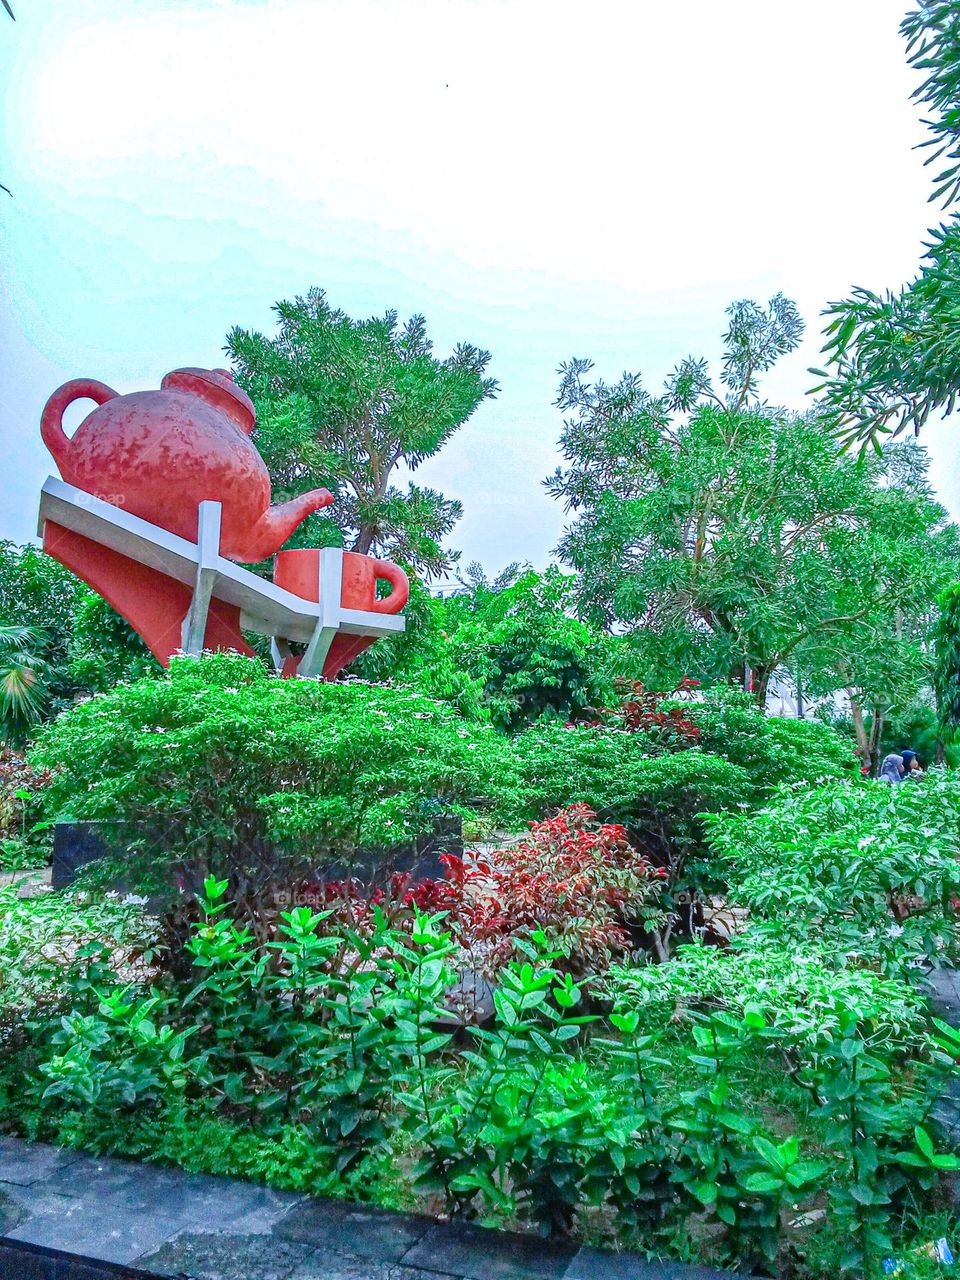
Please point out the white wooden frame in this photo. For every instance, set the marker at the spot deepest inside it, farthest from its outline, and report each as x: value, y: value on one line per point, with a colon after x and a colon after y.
x: 264, y: 607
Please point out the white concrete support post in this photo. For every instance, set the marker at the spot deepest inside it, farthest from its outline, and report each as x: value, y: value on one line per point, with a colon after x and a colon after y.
x: 280, y: 651
x: 330, y: 590
x: 208, y: 548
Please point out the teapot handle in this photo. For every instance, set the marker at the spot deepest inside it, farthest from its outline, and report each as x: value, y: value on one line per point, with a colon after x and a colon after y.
x: 51, y: 423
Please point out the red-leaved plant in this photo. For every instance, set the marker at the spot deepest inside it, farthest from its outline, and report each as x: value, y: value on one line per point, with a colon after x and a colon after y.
x: 641, y: 711
x: 577, y: 879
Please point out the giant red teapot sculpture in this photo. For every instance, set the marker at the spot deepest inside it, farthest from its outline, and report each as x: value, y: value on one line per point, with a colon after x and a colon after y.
x: 166, y: 457
x: 159, y: 454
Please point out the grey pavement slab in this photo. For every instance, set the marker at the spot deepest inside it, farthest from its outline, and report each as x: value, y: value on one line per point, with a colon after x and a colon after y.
x: 597, y: 1264
x: 36, y: 1200
x: 354, y: 1229
x: 12, y: 1213
x: 326, y: 1264
x: 167, y: 1222
x: 462, y: 1249
x: 193, y: 1200
x: 108, y: 1235
x: 27, y: 1162
x: 225, y: 1256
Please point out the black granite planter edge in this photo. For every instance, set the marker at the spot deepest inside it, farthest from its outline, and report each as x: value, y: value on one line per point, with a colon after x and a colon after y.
x: 22, y: 1261
x: 444, y: 1237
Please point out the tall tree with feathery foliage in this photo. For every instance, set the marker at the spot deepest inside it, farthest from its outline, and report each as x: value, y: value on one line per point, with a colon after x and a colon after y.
x: 729, y: 539
x: 345, y: 403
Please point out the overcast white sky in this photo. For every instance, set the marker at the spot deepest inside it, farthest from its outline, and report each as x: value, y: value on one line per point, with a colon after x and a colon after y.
x: 545, y: 178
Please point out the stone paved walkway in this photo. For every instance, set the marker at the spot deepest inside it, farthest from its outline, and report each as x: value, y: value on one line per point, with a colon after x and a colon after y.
x: 165, y: 1222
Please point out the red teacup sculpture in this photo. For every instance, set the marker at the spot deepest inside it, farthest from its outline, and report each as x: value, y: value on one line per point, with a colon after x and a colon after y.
x: 300, y: 572
x: 146, y: 465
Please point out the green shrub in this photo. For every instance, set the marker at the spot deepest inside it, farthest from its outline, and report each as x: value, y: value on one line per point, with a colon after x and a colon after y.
x: 219, y: 760
x: 797, y: 991
x: 43, y: 939
x: 772, y: 750
x: 624, y: 778
x: 867, y: 869
x: 329, y: 1055
x: 222, y: 753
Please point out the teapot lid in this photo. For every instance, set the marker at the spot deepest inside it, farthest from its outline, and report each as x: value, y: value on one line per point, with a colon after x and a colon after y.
x: 218, y: 387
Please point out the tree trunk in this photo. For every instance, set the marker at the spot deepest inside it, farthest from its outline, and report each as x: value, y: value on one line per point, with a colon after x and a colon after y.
x: 863, y: 742
x: 876, y: 733
x: 761, y: 681
x: 365, y: 538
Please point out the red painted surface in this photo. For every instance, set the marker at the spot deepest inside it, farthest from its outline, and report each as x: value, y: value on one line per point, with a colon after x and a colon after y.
x: 299, y: 572
x: 153, y: 604
x: 159, y: 454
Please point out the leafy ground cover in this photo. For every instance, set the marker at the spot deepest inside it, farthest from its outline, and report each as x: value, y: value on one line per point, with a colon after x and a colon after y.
x: 768, y: 1103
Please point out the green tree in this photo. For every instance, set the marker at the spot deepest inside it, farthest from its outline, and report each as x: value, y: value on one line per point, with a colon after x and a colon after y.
x: 104, y: 649
x: 423, y: 658
x: 732, y: 539
x: 79, y: 643
x: 38, y: 592
x: 344, y: 403
x: 523, y: 642
x: 894, y: 358
x: 946, y: 678
x: 507, y: 650
x: 884, y: 659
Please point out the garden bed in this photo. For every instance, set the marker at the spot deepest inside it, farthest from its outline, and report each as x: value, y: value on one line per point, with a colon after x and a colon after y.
x: 771, y: 1103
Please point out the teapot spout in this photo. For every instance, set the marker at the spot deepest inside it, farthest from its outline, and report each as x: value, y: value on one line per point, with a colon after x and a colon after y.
x: 277, y: 524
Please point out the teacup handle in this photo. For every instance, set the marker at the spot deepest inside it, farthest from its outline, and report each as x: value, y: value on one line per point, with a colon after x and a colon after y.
x: 386, y: 571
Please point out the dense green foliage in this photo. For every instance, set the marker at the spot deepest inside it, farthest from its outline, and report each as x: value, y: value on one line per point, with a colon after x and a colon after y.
x: 63, y: 642
x: 870, y: 870
x: 717, y: 1093
x: 772, y: 750
x: 220, y: 755
x: 341, y: 403
x: 894, y: 358
x: 733, y: 539
x: 547, y: 1115
x: 510, y: 653
x: 531, y: 656
x: 220, y: 752
x: 42, y: 941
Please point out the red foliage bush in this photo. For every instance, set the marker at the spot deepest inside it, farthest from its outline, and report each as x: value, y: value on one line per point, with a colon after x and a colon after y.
x: 641, y: 711
x: 578, y: 880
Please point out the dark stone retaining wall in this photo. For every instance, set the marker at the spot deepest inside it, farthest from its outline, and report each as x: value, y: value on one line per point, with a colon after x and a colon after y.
x: 944, y: 988
x: 33, y: 1262
x: 77, y: 844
